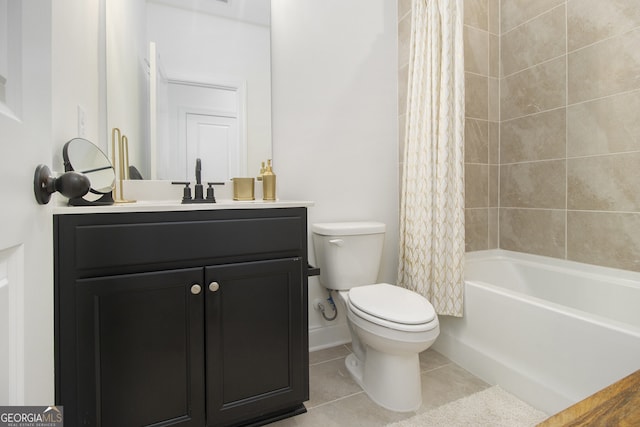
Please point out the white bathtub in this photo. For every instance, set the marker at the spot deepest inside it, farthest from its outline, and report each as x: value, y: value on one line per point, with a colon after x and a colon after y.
x: 550, y: 331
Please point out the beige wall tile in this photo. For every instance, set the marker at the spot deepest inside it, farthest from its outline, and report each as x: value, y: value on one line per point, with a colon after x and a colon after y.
x: 476, y: 51
x: 494, y: 16
x: 536, y: 127
x: 606, y: 68
x: 607, y: 125
x: 516, y: 12
x: 476, y: 13
x: 494, y: 56
x: 476, y: 92
x: 607, y: 183
x: 476, y: 222
x: 403, y: 83
x: 494, y: 143
x: 402, y: 132
x: 536, y: 41
x: 533, y: 90
x: 404, y: 7
x: 536, y: 137
x: 536, y: 231
x: 476, y: 141
x: 533, y: 185
x: 494, y: 232
x: 604, y: 238
x: 494, y: 183
x: 476, y: 185
x: 589, y: 21
x: 539, y: 131
x: 494, y: 99
x: 404, y: 41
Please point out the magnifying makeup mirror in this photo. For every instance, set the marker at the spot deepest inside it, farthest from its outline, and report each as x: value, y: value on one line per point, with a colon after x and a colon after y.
x: 83, y: 156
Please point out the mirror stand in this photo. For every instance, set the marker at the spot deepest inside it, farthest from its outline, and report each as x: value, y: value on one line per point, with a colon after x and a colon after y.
x: 104, y: 200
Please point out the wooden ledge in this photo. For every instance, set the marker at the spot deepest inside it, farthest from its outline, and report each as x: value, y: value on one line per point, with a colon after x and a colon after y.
x: 616, y: 405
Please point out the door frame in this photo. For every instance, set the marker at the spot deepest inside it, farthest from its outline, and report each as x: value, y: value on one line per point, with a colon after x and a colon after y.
x: 240, y: 90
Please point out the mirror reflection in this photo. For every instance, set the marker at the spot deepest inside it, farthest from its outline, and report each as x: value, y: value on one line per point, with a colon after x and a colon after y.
x: 83, y: 156
x: 189, y: 80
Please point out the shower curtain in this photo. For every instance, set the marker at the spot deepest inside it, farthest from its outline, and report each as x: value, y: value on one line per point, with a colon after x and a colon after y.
x: 432, y: 202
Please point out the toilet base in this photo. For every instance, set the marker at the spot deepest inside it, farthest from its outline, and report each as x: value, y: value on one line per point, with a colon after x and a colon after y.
x: 391, y: 381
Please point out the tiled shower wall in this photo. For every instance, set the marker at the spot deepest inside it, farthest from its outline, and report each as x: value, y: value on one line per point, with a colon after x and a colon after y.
x: 561, y: 179
x: 481, y: 39
x: 482, y: 108
x: 570, y: 130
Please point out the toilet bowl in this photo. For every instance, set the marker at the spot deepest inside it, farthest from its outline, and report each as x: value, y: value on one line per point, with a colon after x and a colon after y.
x: 389, y: 325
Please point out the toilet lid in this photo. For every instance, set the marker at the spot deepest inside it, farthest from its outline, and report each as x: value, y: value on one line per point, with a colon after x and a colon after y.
x: 392, y: 303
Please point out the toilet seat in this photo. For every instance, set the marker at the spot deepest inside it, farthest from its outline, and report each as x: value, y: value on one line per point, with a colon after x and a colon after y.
x: 392, y: 307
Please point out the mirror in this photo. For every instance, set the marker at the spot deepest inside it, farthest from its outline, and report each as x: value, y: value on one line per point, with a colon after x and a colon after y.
x: 190, y: 79
x: 83, y: 156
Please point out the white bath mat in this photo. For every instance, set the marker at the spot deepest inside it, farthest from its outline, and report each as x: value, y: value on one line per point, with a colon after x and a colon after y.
x: 492, y: 407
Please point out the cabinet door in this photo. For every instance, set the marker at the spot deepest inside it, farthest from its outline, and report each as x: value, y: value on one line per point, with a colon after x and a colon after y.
x: 256, y: 351
x: 140, y: 347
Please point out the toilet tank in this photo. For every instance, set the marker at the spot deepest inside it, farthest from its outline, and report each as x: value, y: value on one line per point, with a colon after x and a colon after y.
x: 348, y: 253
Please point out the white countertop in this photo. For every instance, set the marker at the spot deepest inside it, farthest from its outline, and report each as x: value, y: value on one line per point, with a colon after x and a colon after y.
x: 161, y: 196
x: 176, y: 205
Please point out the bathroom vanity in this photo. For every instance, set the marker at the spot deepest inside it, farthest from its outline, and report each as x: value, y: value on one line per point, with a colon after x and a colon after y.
x: 186, y: 317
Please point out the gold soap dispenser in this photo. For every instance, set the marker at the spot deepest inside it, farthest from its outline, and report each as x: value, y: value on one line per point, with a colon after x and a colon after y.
x: 269, y: 183
x: 259, y: 178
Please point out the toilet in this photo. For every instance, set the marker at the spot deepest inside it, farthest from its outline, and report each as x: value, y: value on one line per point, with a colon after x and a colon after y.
x: 389, y: 325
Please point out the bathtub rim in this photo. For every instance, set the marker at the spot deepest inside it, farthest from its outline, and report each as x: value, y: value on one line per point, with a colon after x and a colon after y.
x: 618, y: 277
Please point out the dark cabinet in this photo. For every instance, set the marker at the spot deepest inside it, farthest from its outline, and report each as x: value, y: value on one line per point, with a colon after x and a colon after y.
x: 181, y: 318
x: 251, y: 365
x: 140, y: 349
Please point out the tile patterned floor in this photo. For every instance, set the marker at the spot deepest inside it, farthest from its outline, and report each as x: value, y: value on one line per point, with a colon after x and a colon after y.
x: 336, y: 400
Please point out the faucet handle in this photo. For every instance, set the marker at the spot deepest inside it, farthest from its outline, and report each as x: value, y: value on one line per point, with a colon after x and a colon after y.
x: 210, y: 194
x: 186, y: 194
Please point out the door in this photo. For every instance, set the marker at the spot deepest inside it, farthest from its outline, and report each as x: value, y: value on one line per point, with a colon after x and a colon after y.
x: 140, y: 350
x: 255, y: 340
x: 26, y: 260
x: 205, y: 120
x: 214, y: 139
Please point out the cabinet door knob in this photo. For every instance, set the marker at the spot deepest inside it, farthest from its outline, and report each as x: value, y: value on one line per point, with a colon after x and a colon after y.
x: 214, y: 286
x: 195, y: 289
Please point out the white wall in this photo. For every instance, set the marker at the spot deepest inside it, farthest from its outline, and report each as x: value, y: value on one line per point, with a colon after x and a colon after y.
x: 335, y: 130
x: 75, y: 73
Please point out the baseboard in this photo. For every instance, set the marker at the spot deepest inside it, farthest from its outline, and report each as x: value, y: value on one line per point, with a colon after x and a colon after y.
x: 328, y: 336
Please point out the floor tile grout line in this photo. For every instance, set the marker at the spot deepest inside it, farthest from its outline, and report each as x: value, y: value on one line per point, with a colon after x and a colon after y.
x: 333, y: 358
x: 327, y: 361
x: 436, y: 368
x: 335, y: 400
